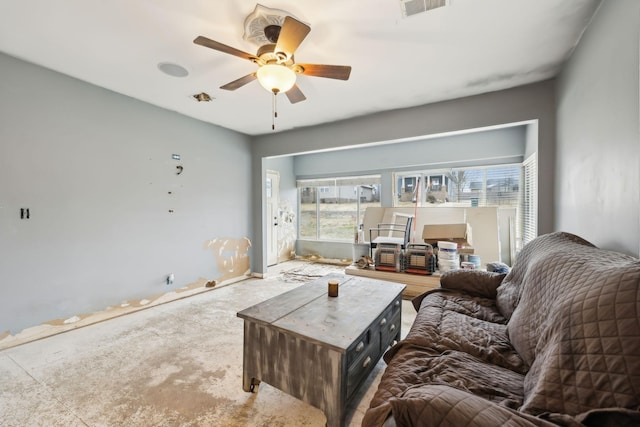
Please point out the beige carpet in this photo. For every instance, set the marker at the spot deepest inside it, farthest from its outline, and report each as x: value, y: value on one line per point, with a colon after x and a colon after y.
x: 177, y: 364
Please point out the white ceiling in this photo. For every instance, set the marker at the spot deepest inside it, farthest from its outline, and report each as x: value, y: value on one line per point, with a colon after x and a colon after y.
x: 465, y: 48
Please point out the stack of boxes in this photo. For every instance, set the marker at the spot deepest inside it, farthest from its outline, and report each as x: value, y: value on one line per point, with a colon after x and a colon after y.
x: 452, y: 244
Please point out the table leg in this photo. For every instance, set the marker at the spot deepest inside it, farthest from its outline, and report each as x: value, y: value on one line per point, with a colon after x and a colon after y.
x: 250, y: 385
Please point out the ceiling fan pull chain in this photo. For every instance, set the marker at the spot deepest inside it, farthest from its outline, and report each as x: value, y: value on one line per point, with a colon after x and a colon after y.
x: 274, y: 113
x: 275, y: 104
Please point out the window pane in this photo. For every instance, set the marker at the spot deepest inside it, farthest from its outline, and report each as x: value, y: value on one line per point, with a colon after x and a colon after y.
x: 436, y: 189
x: 369, y: 197
x: 337, y: 220
x: 503, y: 186
x: 338, y: 208
x: 406, y: 190
x: 308, y: 216
x: 332, y: 208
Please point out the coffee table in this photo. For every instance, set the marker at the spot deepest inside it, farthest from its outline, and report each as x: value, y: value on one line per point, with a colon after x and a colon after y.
x: 318, y: 348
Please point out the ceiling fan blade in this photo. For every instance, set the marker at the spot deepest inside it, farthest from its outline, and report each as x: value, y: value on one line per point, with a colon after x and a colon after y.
x: 291, y: 35
x: 340, y: 72
x: 239, y: 82
x: 203, y: 41
x: 295, y: 94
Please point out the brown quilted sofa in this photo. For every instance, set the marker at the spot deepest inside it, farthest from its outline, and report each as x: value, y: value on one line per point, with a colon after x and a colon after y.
x: 555, y: 342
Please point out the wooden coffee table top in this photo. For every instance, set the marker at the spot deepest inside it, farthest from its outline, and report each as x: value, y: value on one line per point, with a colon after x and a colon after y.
x: 309, y: 312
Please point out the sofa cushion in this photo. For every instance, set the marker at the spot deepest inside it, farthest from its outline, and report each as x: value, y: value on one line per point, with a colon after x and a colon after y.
x: 475, y: 282
x: 577, y: 325
x: 454, y: 320
x: 417, y: 368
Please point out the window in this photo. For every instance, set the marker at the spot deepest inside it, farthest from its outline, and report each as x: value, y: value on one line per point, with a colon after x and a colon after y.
x: 332, y: 208
x: 479, y: 186
x: 511, y: 185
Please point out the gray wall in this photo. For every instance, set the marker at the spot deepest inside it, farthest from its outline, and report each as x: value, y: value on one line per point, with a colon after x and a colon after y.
x: 531, y: 146
x: 95, y: 170
x: 285, y: 166
x: 522, y: 104
x: 598, y: 153
x: 469, y: 149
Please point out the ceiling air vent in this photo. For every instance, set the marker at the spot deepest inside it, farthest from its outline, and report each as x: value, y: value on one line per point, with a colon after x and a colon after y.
x: 413, y: 7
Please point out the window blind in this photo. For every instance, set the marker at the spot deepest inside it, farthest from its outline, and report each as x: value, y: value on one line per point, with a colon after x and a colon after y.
x: 530, y: 199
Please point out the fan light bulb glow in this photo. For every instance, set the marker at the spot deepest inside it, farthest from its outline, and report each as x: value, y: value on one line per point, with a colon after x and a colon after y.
x: 276, y: 78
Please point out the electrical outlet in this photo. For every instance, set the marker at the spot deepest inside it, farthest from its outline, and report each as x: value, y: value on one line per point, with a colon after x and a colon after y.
x: 170, y: 279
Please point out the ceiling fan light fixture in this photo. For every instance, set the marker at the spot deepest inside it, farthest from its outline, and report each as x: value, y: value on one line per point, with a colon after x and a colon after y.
x: 276, y: 78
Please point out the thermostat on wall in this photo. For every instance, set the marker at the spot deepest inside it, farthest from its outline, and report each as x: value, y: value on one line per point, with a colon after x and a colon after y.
x: 175, y: 156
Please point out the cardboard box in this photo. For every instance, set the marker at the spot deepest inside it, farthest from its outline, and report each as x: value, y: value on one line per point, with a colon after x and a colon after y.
x: 459, y: 233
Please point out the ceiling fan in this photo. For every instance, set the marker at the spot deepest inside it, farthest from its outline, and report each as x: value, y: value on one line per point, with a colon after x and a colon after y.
x: 277, y: 68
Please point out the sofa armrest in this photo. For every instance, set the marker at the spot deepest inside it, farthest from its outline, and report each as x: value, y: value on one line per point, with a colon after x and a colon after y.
x: 475, y: 282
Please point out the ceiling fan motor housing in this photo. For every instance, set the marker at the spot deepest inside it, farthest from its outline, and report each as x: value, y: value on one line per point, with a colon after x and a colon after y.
x: 267, y: 55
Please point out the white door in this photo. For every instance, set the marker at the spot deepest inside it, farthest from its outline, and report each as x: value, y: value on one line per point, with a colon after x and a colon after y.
x: 273, y: 201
